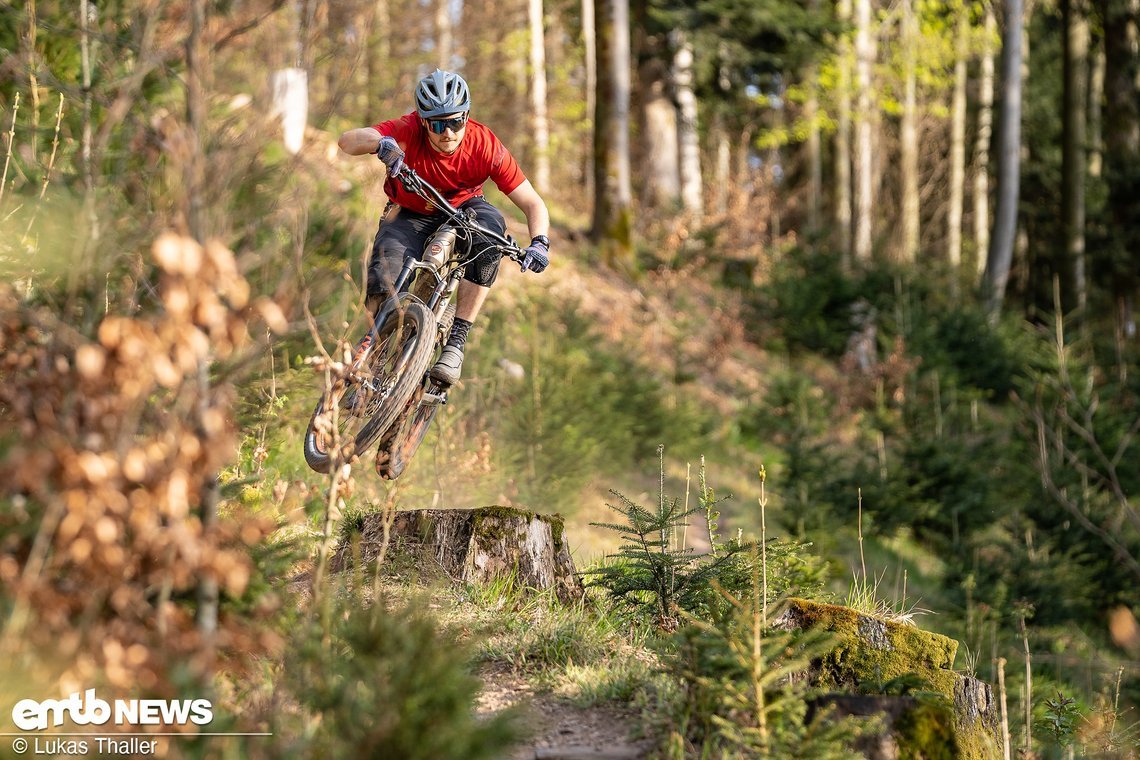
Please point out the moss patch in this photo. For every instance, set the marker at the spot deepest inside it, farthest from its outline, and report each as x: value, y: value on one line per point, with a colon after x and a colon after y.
x: 869, y: 650
x: 495, y: 523
x: 927, y: 732
x: 872, y: 655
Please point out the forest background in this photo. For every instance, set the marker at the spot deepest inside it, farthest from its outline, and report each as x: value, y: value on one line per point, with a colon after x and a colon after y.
x: 887, y: 251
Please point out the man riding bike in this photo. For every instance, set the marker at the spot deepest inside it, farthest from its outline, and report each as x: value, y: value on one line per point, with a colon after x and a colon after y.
x: 456, y: 155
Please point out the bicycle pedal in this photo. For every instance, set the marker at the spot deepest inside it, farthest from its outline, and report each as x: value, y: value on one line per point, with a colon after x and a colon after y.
x: 434, y: 399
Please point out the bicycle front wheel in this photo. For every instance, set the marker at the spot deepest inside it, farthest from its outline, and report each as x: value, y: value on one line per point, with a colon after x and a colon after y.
x: 355, y: 412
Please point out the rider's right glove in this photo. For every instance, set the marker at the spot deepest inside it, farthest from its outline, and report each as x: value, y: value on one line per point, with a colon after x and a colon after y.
x: 536, y: 256
x: 389, y: 152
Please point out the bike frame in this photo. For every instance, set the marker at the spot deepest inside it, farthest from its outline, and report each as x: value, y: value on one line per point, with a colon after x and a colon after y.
x: 448, y: 273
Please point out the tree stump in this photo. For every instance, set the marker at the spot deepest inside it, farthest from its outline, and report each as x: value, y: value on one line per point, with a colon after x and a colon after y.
x: 471, y: 546
x: 868, y: 651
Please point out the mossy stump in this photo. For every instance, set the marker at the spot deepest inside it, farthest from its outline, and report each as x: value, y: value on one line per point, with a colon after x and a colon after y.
x: 870, y: 654
x: 470, y: 546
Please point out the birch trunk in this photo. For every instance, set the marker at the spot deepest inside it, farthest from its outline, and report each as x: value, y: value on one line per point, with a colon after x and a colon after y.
x: 982, y: 146
x: 538, y: 97
x: 864, y: 152
x: 692, y: 195
x: 909, y: 136
x: 957, y: 149
x: 1009, y: 162
x: 843, y: 211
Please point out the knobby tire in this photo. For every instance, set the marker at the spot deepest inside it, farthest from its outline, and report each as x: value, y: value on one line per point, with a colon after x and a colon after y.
x: 416, y: 347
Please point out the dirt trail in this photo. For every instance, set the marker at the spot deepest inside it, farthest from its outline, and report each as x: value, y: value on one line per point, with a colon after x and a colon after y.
x: 560, y: 730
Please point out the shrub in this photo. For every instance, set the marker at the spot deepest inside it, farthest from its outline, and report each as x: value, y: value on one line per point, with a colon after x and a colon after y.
x: 383, y: 682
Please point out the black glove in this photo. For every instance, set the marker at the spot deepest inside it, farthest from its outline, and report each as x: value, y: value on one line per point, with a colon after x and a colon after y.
x: 536, y: 256
x: 389, y: 152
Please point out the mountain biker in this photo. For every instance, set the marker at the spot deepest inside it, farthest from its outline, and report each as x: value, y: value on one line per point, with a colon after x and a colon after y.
x: 457, y: 155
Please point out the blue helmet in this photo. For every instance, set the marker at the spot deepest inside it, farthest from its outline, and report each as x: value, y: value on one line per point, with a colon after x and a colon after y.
x: 441, y: 93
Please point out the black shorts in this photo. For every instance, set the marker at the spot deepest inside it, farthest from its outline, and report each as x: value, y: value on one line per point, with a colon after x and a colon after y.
x: 409, y: 231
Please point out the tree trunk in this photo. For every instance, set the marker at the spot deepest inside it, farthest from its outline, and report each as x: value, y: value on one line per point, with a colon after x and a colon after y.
x: 909, y: 135
x: 85, y: 56
x: 957, y: 151
x: 1009, y: 154
x: 590, y: 48
x: 538, y: 96
x: 723, y: 164
x: 660, y: 147
x: 207, y: 611
x: 814, y: 149
x: 982, y: 146
x: 613, y: 214
x: 692, y: 194
x: 864, y: 151
x: 444, y: 34
x: 379, y: 58
x: 843, y: 211
x: 815, y: 162
x: 469, y: 546
x: 1095, y: 122
x: 1074, y: 291
x: 1122, y: 143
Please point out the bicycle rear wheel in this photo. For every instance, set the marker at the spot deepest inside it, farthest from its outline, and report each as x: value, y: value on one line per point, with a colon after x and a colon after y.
x: 355, y: 412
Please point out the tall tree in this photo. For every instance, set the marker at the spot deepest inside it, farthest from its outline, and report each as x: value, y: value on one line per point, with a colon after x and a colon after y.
x: 908, y: 138
x: 692, y: 193
x: 1122, y: 142
x: 659, y: 149
x: 657, y: 153
x: 590, y: 49
x: 538, y: 96
x: 843, y: 204
x: 377, y: 58
x: 444, y: 34
x: 814, y: 147
x: 864, y: 128
x: 957, y: 146
x: 1000, y: 256
x: 1073, y: 154
x: 982, y: 143
x: 613, y: 209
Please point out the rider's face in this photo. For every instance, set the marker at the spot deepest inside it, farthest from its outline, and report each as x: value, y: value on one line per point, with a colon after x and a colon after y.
x: 448, y: 141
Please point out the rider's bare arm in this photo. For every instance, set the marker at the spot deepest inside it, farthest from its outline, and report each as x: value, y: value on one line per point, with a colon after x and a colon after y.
x: 357, y: 142
x: 528, y: 200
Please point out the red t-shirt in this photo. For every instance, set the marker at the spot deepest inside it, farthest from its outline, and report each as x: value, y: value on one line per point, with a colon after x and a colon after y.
x: 459, y: 176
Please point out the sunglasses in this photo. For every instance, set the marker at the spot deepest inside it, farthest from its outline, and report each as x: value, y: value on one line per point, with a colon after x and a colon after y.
x: 439, y: 126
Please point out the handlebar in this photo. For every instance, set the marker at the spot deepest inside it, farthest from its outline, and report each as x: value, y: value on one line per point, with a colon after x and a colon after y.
x: 414, y: 183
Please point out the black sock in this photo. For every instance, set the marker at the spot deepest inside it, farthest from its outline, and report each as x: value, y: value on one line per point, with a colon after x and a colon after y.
x: 459, y: 330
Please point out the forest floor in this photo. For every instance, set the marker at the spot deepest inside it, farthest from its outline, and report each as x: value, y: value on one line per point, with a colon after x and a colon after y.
x: 557, y: 727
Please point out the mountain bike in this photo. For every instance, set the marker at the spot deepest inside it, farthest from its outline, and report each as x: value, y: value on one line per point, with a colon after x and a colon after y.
x: 385, y: 393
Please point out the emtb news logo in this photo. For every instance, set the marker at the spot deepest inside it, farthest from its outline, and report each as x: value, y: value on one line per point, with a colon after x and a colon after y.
x: 86, y: 709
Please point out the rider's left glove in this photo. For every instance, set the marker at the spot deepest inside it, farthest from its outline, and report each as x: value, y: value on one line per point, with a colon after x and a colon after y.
x: 389, y: 152
x: 536, y: 256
